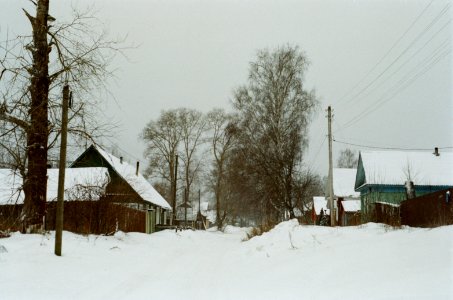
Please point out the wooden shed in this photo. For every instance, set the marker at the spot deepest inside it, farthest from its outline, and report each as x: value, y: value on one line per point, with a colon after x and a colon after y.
x: 349, y: 212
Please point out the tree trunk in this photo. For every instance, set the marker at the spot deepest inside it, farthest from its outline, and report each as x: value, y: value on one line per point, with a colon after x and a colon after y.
x: 35, y: 184
x: 219, y: 219
x: 171, y: 166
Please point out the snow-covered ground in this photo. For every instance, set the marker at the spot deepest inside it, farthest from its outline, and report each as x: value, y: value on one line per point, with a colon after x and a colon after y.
x: 290, y: 262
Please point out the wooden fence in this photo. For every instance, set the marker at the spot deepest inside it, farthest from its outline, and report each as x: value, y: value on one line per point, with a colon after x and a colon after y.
x: 430, y: 210
x: 97, y: 217
x: 387, y: 213
x: 10, y: 217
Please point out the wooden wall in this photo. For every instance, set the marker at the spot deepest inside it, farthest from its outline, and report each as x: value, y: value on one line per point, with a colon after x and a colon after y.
x: 430, y: 210
x: 96, y: 217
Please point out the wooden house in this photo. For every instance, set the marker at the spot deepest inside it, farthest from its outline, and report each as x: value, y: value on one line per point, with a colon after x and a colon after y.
x: 382, y: 177
x: 320, y: 212
x: 185, y: 215
x: 127, y: 186
x: 346, y: 198
x: 199, y: 217
x: 208, y: 214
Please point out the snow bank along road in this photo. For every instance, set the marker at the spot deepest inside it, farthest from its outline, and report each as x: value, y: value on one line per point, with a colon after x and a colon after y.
x: 290, y: 262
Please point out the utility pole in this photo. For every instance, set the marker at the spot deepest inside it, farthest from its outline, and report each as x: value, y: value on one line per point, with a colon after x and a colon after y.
x: 200, y: 223
x: 199, y: 201
x: 174, y: 189
x: 331, y: 201
x: 61, y: 172
x: 185, y: 207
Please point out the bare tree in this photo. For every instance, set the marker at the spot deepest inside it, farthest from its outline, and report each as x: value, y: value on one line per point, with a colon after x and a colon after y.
x: 223, y: 128
x: 347, y: 159
x: 33, y: 70
x: 307, y: 186
x: 275, y: 110
x: 176, y: 132
x: 163, y: 138
x: 193, y: 126
x: 12, y: 147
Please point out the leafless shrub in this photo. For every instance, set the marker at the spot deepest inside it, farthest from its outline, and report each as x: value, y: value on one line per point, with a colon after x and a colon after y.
x: 257, y: 231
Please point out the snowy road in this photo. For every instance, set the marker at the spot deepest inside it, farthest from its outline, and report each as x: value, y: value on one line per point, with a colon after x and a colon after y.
x: 290, y: 262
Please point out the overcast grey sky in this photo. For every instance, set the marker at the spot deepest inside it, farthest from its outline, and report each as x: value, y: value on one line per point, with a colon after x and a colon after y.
x: 194, y: 53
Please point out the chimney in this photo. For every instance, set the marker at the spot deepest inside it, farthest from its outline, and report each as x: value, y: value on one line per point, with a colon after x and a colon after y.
x: 121, y: 159
x: 410, y: 190
x: 136, y: 170
x: 436, y: 151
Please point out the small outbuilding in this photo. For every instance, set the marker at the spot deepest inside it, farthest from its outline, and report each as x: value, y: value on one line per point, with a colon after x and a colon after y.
x: 349, y: 212
x: 320, y: 212
x: 347, y: 199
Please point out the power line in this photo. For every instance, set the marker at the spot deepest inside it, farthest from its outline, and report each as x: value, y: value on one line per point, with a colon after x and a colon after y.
x: 124, y: 151
x: 411, y: 57
x: 387, y: 53
x: 317, y: 152
x: 338, y: 126
x: 400, y: 86
x: 434, y: 21
x: 389, y: 148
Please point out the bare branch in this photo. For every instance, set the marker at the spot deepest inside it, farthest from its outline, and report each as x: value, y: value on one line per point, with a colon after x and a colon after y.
x: 32, y: 19
x: 9, y: 118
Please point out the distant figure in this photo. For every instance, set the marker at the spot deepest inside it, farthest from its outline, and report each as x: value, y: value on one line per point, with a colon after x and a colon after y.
x: 321, y: 216
x: 324, y: 219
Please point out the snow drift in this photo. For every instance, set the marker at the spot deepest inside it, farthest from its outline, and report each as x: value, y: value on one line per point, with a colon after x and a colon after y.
x: 371, y: 261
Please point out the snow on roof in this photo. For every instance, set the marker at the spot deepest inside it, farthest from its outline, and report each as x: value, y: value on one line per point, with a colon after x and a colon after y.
x: 351, y: 205
x: 320, y: 203
x: 208, y: 212
x: 343, y: 182
x: 80, y: 184
x: 395, y: 167
x: 138, y: 183
x: 387, y: 203
x: 211, y: 215
x: 185, y: 204
x: 204, y: 206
